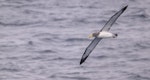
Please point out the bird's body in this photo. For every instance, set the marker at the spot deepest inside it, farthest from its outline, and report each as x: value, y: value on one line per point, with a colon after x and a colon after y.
x: 103, y: 33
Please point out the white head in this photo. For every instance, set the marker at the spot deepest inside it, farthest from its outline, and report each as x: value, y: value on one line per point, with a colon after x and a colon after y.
x: 94, y: 35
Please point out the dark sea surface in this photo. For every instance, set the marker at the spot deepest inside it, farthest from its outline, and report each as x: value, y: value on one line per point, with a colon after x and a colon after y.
x: 45, y: 39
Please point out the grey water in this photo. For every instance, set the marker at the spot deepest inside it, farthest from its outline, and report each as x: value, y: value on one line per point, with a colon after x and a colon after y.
x: 45, y: 39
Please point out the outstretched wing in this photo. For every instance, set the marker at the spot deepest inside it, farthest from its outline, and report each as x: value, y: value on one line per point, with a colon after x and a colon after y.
x: 89, y: 49
x: 111, y: 21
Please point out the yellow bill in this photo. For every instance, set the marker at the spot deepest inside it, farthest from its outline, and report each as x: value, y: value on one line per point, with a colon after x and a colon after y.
x: 91, y: 36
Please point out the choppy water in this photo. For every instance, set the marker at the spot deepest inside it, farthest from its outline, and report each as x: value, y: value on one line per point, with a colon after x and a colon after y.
x: 45, y: 39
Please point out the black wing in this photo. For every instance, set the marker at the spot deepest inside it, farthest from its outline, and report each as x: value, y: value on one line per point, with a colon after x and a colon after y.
x: 111, y: 21
x: 89, y: 49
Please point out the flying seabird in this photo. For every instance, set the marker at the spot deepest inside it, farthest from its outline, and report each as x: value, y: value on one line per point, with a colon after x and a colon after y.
x: 103, y: 33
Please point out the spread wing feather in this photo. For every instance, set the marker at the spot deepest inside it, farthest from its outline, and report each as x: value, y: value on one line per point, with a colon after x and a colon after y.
x: 89, y: 49
x: 112, y: 20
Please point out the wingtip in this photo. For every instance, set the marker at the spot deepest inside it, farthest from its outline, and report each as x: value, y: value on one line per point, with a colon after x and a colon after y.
x: 125, y: 7
x: 81, y: 61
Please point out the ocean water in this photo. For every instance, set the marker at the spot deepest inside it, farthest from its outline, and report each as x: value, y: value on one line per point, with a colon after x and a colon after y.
x: 45, y: 39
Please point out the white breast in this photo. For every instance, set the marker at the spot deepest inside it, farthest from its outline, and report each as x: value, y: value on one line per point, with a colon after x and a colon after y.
x: 105, y: 34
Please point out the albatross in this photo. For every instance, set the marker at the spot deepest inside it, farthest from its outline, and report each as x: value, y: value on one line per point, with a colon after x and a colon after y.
x: 103, y: 33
